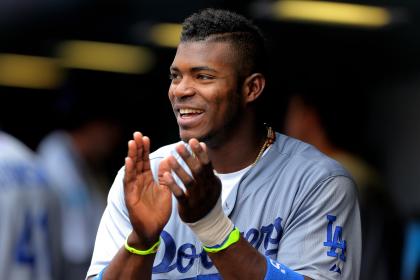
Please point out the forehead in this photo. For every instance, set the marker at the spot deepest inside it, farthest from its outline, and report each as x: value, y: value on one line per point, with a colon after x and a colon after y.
x: 215, y: 55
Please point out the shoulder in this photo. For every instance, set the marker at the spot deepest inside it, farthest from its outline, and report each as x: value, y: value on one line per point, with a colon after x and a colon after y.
x: 55, y: 144
x: 314, y: 175
x: 292, y: 171
x: 14, y: 149
x: 304, y: 158
x: 296, y: 170
x: 18, y: 166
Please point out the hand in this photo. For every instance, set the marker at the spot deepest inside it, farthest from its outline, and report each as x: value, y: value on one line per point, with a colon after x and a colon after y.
x: 148, y: 203
x: 202, y: 189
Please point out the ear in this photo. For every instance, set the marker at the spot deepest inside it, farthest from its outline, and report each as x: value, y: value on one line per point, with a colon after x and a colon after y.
x: 253, y: 86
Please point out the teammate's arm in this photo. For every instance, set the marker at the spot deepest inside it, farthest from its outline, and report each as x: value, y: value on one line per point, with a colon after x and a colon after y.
x: 200, y: 203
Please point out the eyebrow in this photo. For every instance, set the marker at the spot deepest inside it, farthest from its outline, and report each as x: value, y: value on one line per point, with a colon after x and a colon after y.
x: 201, y: 68
x: 195, y: 69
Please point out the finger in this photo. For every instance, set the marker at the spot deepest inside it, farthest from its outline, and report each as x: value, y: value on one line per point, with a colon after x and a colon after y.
x: 200, y: 151
x: 204, y: 147
x: 138, y: 139
x: 146, y: 152
x: 137, y: 136
x: 169, y: 181
x: 128, y: 167
x: 129, y: 175
x: 132, y: 150
x: 192, y: 162
x: 180, y: 171
x: 163, y: 168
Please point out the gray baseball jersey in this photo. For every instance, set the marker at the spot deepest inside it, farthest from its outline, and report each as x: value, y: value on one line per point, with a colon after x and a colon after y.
x: 26, y: 206
x: 295, y: 205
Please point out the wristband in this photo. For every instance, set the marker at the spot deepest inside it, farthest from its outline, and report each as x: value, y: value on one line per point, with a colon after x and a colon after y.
x: 214, y: 228
x: 278, y: 271
x: 135, y: 251
x: 231, y: 239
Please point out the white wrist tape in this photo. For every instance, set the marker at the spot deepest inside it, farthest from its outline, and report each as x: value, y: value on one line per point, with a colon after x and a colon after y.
x: 213, y: 228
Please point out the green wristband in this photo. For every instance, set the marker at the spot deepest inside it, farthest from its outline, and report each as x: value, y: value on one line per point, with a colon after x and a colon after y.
x: 233, y: 237
x: 135, y: 251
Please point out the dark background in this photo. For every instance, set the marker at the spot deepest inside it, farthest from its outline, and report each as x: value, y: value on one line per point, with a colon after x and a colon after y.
x: 377, y: 69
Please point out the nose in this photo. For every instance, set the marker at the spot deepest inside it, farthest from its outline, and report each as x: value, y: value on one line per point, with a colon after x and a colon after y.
x: 182, y: 89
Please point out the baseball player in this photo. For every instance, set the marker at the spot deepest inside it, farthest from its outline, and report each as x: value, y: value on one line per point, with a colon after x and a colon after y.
x: 233, y: 199
x: 27, y: 236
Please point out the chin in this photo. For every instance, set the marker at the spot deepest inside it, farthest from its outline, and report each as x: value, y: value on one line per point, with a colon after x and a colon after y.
x: 186, y: 135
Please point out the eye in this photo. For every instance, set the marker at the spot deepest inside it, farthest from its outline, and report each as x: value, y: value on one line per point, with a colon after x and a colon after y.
x: 174, y: 76
x: 204, y: 77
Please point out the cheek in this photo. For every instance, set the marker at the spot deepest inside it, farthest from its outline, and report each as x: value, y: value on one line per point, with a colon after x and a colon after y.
x: 228, y: 107
x: 170, y: 93
x: 171, y: 97
x: 221, y: 107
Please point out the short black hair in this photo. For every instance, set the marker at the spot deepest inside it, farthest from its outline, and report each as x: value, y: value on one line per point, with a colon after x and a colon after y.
x: 225, y: 26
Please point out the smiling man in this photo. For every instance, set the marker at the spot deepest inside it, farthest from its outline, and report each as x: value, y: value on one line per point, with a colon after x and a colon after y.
x: 233, y: 199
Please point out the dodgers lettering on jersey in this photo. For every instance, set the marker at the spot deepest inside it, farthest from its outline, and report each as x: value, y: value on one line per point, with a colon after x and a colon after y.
x: 286, y: 207
x: 182, y: 257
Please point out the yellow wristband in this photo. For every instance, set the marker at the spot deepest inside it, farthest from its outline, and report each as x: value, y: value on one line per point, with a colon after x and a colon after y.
x: 149, y: 251
x: 233, y: 237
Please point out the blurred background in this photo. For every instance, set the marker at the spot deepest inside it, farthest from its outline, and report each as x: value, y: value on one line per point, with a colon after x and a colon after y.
x: 89, y: 73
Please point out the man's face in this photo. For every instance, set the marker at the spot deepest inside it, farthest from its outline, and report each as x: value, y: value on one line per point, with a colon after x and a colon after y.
x: 204, y: 91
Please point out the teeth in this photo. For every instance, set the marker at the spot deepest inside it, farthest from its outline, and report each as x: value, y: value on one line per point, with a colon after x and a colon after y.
x: 189, y: 111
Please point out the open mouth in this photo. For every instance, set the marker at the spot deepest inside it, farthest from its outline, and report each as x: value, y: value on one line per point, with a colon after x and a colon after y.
x: 188, y: 113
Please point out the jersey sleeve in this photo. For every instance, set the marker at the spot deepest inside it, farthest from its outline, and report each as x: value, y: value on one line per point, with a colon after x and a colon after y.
x: 322, y: 239
x: 113, y: 228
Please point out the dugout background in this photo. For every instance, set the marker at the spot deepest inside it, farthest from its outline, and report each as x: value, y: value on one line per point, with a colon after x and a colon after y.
x: 377, y: 70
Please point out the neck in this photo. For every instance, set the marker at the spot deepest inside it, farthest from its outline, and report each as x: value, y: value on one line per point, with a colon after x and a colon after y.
x: 239, y: 149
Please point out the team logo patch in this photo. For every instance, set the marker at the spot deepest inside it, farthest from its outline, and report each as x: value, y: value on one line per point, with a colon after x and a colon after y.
x: 337, y: 246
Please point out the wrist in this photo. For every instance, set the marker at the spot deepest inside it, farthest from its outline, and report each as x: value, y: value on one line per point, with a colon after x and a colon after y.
x: 141, y: 243
x: 214, y: 228
x: 231, y: 239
